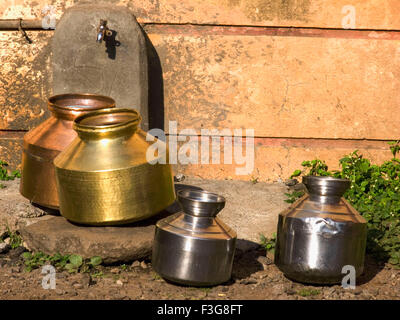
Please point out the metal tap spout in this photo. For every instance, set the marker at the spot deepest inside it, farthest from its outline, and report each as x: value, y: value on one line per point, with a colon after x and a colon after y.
x: 101, y: 30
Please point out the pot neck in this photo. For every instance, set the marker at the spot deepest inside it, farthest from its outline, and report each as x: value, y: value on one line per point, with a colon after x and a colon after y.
x: 326, y: 190
x: 201, y: 222
x: 107, y: 124
x: 200, y: 203
x: 324, y: 199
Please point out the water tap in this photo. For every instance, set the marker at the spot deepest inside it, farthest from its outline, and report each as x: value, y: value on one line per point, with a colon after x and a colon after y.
x: 102, y: 30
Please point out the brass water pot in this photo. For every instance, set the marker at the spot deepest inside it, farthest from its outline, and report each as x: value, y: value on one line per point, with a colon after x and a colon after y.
x: 43, y: 143
x: 104, y: 177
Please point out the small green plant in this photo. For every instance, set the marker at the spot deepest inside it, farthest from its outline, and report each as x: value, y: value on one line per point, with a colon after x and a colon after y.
x: 268, y: 243
x: 306, y: 292
x: 38, y: 259
x: 72, y: 263
x: 314, y: 167
x: 156, y: 276
x: 292, y: 197
x: 124, y: 267
x: 4, y: 176
x: 15, y: 238
x: 254, y: 180
x: 78, y: 264
x: 59, y: 260
x: 394, y: 147
x: 16, y: 174
x: 296, y: 173
x: 97, y: 274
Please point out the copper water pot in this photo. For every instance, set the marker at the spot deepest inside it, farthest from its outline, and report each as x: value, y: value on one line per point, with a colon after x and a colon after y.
x: 106, y: 176
x: 43, y: 143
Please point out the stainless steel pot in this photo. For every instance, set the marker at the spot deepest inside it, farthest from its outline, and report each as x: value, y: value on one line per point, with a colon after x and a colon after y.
x: 320, y: 234
x: 194, y: 247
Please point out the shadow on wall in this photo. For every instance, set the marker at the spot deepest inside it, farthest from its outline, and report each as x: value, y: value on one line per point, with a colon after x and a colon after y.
x: 156, y: 86
x: 111, y: 44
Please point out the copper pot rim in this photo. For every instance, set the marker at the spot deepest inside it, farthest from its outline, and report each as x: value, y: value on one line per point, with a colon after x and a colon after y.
x: 52, y: 102
x: 132, y: 120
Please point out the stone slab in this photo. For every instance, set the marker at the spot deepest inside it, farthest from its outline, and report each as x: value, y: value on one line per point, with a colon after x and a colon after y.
x: 16, y: 211
x: 114, y: 244
x: 250, y: 209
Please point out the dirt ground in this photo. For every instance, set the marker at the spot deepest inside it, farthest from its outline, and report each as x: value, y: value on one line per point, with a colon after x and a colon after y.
x: 254, y: 277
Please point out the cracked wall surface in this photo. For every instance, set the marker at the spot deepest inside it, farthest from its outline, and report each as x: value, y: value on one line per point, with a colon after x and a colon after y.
x: 306, y: 93
x: 372, y: 14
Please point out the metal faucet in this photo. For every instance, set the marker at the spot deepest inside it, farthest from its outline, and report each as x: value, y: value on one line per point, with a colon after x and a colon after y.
x: 102, y: 30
